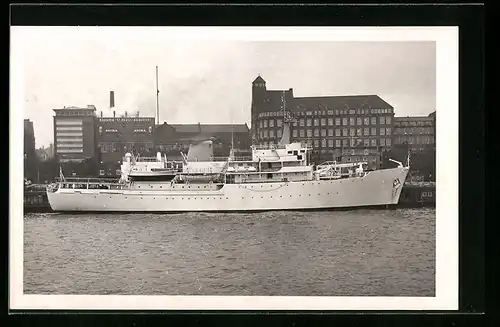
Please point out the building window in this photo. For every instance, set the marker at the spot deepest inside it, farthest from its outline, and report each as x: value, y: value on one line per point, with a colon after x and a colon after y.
x: 382, y: 131
x: 279, y: 122
x: 382, y: 142
x: 316, y: 132
x: 337, y: 121
x: 344, y: 143
x: 265, y: 133
x: 316, y: 143
x: 352, y: 132
x: 101, y: 172
x: 323, y: 132
x: 358, y: 132
x: 388, y: 120
x: 337, y: 143
x: 301, y: 133
x: 265, y: 123
x: 374, y: 142
x: 366, y: 142
x: 374, y: 131
x: 261, y: 134
x: 358, y: 121
x: 344, y: 121
x: 294, y: 133
x: 330, y: 143
x: 271, y: 133
x: 388, y: 142
x: 388, y: 131
x: 351, y: 121
x: 366, y: 121
x: 344, y: 131
x: 323, y: 121
x: 309, y: 133
x: 374, y: 120
x: 323, y: 143
x: 260, y: 124
x: 353, y: 143
x: 271, y: 123
x: 330, y: 121
x: 301, y: 122
x: 316, y: 122
x: 366, y: 131
x: 309, y: 122
x: 278, y: 133
x: 337, y: 132
x: 382, y: 120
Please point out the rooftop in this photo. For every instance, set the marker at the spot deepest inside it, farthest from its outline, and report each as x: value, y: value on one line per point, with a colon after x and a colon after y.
x: 341, y: 102
x: 210, y: 128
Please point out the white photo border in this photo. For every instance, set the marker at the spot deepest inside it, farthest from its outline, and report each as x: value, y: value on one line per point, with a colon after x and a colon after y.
x: 446, y: 296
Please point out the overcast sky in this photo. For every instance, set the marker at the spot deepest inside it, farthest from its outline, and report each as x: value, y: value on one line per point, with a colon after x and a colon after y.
x: 210, y: 81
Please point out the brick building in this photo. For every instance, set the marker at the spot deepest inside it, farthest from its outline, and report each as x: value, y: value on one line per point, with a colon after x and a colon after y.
x: 75, y: 134
x: 118, y: 135
x: 419, y: 132
x: 344, y: 128
x: 417, y: 135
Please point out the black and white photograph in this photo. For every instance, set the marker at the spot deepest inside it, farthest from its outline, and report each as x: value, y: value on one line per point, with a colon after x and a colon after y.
x: 234, y: 168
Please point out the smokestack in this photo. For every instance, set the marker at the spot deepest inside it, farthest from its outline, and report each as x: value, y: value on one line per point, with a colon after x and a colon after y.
x: 137, y: 113
x: 114, y: 114
x: 125, y: 114
x: 101, y: 114
x: 111, y: 99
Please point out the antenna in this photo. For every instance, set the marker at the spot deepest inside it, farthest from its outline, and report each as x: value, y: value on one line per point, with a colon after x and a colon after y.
x: 157, y: 99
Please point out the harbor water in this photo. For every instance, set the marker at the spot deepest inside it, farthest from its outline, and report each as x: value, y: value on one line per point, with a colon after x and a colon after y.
x: 324, y: 253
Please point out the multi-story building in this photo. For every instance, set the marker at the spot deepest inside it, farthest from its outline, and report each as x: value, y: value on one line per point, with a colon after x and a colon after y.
x: 419, y: 132
x: 75, y: 134
x: 30, y: 157
x: 343, y: 128
x: 175, y: 137
x: 118, y: 135
x: 417, y: 135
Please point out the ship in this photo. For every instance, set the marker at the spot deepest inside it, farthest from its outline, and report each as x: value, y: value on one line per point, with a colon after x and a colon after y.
x: 276, y: 177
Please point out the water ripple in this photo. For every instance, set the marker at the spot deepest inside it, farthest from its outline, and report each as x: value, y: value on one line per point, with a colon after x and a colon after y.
x: 361, y: 252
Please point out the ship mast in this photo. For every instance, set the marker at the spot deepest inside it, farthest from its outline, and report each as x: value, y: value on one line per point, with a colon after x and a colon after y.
x: 285, y: 138
x: 157, y: 99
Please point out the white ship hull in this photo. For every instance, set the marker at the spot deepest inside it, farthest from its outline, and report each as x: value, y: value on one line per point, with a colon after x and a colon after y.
x: 381, y: 187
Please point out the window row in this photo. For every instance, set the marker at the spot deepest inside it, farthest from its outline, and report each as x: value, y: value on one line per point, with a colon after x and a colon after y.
x: 345, y: 132
x: 414, y: 130
x: 385, y: 120
x: 414, y: 139
x: 303, y: 112
x: 403, y: 123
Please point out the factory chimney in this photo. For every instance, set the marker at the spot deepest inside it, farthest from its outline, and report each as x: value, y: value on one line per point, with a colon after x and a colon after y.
x: 101, y: 113
x: 114, y: 114
x: 111, y: 99
x: 125, y: 114
x: 137, y: 113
